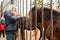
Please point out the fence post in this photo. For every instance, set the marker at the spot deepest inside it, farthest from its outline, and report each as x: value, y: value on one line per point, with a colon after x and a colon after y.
x: 51, y: 25
x: 1, y: 9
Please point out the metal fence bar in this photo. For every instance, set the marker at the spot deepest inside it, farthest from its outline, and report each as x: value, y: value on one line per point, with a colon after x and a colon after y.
x: 26, y: 19
x: 23, y: 22
x: 35, y: 17
x: 20, y: 20
x: 51, y: 26
x: 42, y: 21
x: 20, y: 7
x: 18, y: 12
x: 30, y: 19
x: 2, y: 9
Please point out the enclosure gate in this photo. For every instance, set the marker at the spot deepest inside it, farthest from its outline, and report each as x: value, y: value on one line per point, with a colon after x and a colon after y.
x: 19, y: 26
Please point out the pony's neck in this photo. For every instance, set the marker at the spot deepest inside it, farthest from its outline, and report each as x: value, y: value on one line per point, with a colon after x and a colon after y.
x: 46, y: 24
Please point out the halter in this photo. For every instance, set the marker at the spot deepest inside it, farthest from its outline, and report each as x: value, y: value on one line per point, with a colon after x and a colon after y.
x: 34, y: 27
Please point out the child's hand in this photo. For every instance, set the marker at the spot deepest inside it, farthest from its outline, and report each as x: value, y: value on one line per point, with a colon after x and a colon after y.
x: 16, y: 14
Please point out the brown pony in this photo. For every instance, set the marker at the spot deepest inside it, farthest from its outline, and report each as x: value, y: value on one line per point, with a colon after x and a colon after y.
x: 47, y: 18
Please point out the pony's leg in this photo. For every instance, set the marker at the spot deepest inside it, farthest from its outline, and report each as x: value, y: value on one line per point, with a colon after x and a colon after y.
x: 41, y: 29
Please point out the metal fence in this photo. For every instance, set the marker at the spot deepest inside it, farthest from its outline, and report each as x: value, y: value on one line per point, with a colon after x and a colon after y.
x: 22, y: 35
x: 36, y: 11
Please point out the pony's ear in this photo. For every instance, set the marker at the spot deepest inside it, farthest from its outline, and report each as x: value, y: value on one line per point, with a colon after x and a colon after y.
x: 33, y: 8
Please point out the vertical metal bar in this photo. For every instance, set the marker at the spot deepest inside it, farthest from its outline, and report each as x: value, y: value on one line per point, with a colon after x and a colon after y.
x: 30, y: 19
x: 23, y: 22
x: 18, y: 12
x: 20, y: 7
x: 35, y: 17
x: 51, y: 26
x: 42, y: 21
x: 2, y: 9
x: 20, y: 21
x: 26, y: 19
x: 1, y: 12
x: 17, y: 32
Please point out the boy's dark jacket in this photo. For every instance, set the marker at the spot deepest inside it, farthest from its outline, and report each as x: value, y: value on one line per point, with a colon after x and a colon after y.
x: 11, y: 20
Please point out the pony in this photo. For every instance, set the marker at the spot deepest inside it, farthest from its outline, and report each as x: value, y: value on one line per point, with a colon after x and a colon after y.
x: 47, y: 21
